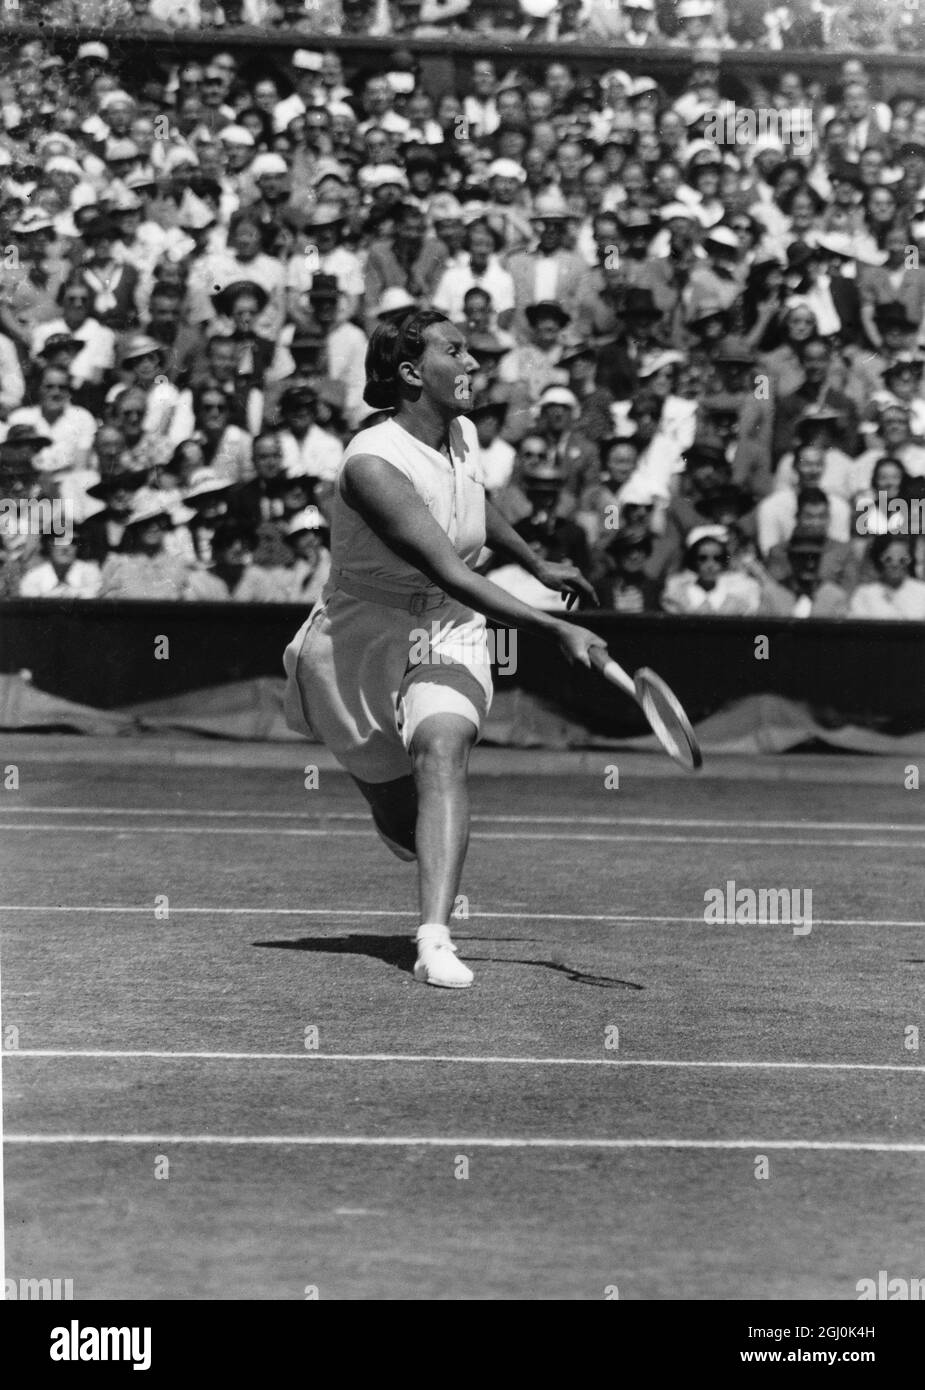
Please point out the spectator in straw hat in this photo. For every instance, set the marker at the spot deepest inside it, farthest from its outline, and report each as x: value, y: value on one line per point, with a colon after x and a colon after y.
x: 306, y: 536
x: 821, y: 428
x: 548, y: 271
x: 141, y: 363
x: 321, y: 250
x: 557, y: 415
x: 207, y: 501
x: 143, y: 567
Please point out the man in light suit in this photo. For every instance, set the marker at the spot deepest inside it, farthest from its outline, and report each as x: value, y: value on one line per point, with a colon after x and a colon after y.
x: 547, y: 272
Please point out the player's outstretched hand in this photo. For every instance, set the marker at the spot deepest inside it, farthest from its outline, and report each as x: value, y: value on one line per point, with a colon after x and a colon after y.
x: 576, y: 643
x: 566, y: 579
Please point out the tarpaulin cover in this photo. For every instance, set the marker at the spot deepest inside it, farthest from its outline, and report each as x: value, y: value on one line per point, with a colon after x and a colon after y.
x: 253, y: 710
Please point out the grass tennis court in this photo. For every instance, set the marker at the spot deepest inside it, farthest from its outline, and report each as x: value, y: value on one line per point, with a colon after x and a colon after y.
x: 610, y: 1086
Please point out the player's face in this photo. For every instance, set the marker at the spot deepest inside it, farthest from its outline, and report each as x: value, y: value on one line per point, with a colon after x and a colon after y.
x: 446, y: 368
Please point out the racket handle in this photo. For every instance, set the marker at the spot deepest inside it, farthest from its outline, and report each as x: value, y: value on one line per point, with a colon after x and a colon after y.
x: 612, y: 671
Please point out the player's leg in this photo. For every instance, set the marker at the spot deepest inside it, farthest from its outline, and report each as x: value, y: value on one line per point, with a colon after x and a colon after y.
x: 440, y: 751
x: 394, y: 806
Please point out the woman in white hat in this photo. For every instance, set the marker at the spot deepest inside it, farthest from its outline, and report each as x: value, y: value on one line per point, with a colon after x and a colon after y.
x: 306, y: 536
x: 391, y: 669
x: 141, y: 362
x: 707, y: 585
x: 143, y: 567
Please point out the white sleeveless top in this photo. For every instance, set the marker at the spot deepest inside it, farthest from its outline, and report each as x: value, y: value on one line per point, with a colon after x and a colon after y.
x: 453, y: 493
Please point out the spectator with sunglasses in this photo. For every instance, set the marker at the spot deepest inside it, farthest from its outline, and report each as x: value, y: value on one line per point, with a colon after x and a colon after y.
x: 143, y: 450
x: 226, y: 447
x: 70, y: 427
x: 707, y: 586
x: 895, y: 594
x: 97, y: 355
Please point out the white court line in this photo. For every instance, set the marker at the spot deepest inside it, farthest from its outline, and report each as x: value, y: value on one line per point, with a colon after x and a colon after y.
x: 456, y: 1058
x: 665, y: 822
x: 473, y: 916
x: 330, y: 832
x: 368, y: 1141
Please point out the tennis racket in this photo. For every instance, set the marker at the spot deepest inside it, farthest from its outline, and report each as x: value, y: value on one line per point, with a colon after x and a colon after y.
x: 659, y: 704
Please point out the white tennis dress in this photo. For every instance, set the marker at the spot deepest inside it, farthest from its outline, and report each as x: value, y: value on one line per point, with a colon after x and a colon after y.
x: 384, y: 648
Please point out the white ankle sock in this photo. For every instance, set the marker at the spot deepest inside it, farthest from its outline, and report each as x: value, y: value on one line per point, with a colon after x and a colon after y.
x: 433, y: 934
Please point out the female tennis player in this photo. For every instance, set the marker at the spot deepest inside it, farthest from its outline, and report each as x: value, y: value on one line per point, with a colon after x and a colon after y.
x: 391, y: 670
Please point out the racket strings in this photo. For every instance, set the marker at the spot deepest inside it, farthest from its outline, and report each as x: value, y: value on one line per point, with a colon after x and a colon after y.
x: 667, y: 719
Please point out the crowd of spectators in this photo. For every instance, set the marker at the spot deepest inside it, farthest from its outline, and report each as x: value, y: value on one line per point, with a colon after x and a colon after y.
x: 884, y: 25
x: 700, y: 357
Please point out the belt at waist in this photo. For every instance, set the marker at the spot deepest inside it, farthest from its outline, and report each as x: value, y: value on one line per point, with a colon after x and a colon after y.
x: 414, y: 601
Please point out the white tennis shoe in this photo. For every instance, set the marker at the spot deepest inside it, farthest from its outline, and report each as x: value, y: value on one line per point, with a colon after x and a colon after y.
x: 437, y: 963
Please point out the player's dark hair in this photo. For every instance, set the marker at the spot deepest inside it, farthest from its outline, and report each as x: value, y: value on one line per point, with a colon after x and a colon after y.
x: 392, y: 343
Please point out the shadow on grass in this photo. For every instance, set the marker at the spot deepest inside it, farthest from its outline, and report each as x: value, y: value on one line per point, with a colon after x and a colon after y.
x: 398, y: 951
